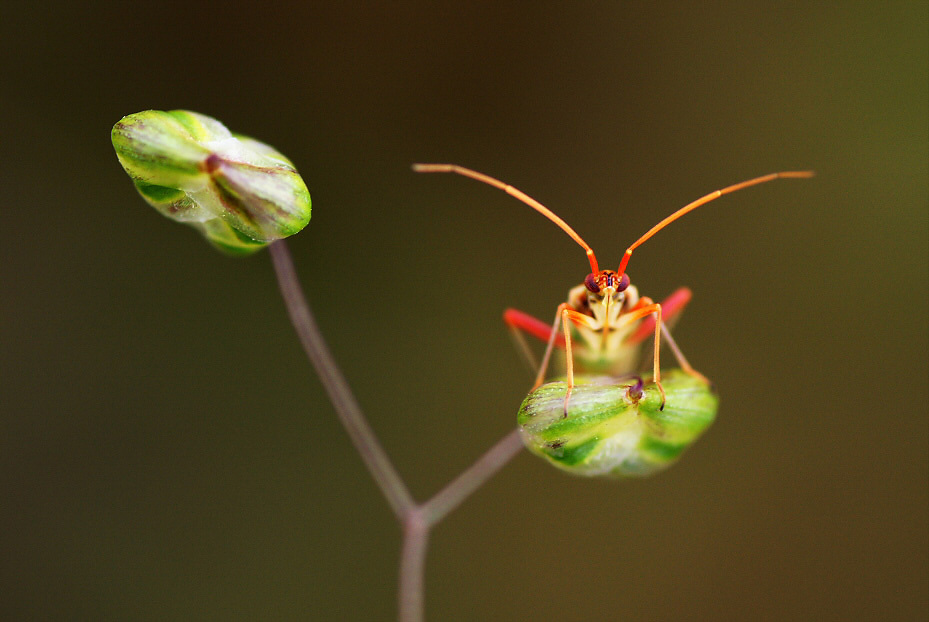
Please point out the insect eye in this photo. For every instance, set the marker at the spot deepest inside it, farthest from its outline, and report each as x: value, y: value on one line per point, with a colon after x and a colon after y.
x: 591, y: 283
x: 623, y: 283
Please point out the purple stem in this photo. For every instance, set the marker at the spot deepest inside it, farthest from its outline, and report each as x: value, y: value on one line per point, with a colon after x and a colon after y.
x: 416, y: 519
x: 473, y: 478
x: 412, y: 562
x: 346, y: 406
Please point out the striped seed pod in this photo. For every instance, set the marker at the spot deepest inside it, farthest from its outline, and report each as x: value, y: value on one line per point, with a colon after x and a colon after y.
x: 238, y: 192
x: 615, y: 427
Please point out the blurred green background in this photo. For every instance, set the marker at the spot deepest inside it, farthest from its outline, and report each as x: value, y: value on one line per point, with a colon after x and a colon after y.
x: 166, y: 451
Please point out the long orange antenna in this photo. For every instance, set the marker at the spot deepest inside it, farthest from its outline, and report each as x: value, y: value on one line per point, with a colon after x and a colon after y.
x: 704, y: 200
x: 519, y: 194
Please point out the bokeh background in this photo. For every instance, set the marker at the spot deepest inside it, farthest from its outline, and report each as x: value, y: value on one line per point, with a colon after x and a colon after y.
x: 166, y: 451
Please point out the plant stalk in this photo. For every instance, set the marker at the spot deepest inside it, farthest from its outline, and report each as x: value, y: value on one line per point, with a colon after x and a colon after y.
x: 412, y: 562
x: 472, y: 478
x: 346, y: 406
x: 417, y: 520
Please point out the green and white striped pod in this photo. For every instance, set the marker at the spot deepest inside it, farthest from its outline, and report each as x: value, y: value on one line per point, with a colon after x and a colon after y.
x: 614, y: 428
x: 238, y: 192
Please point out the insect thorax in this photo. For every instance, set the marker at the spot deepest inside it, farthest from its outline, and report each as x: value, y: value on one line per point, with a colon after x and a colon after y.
x: 602, y: 347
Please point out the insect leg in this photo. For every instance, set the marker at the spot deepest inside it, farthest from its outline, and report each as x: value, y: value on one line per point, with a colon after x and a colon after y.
x: 681, y: 359
x: 570, y: 315
x: 519, y: 341
x: 646, y: 307
x: 552, y: 338
x: 517, y: 320
x: 518, y: 323
x: 671, y: 309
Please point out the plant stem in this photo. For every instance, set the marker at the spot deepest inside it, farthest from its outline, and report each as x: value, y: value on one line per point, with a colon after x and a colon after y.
x: 346, y: 406
x: 416, y: 519
x: 412, y: 562
x: 470, y: 480
x: 419, y: 521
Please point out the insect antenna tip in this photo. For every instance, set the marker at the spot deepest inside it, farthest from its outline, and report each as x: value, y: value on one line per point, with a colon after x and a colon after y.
x: 431, y: 168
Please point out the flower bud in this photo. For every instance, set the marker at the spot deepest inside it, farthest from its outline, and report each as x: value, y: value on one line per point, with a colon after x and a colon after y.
x: 239, y: 192
x: 616, y: 427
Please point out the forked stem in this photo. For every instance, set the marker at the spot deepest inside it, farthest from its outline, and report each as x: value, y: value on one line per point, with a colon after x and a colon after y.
x: 417, y: 519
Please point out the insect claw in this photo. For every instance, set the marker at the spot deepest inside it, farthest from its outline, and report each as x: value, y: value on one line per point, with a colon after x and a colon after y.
x: 663, y: 398
x: 566, y: 398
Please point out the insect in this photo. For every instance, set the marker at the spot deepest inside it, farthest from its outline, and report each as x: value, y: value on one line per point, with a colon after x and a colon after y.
x: 604, y: 318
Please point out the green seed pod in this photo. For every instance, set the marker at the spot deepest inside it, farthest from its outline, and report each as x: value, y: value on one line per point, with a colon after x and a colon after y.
x: 615, y: 427
x: 239, y: 192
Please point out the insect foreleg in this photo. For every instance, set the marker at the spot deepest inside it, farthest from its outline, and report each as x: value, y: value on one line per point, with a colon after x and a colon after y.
x: 570, y: 315
x: 671, y: 309
x: 552, y: 338
x: 646, y: 307
x: 513, y: 320
x: 564, y: 314
x: 519, y: 342
x: 516, y: 319
x: 520, y: 323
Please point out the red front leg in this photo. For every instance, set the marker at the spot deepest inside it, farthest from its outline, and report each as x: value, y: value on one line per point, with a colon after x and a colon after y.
x: 520, y: 323
x: 514, y: 318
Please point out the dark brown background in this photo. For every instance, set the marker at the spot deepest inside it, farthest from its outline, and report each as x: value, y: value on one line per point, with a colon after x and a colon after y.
x: 167, y: 452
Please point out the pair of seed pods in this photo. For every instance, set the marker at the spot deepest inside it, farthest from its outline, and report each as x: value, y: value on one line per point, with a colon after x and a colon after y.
x: 602, y: 419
